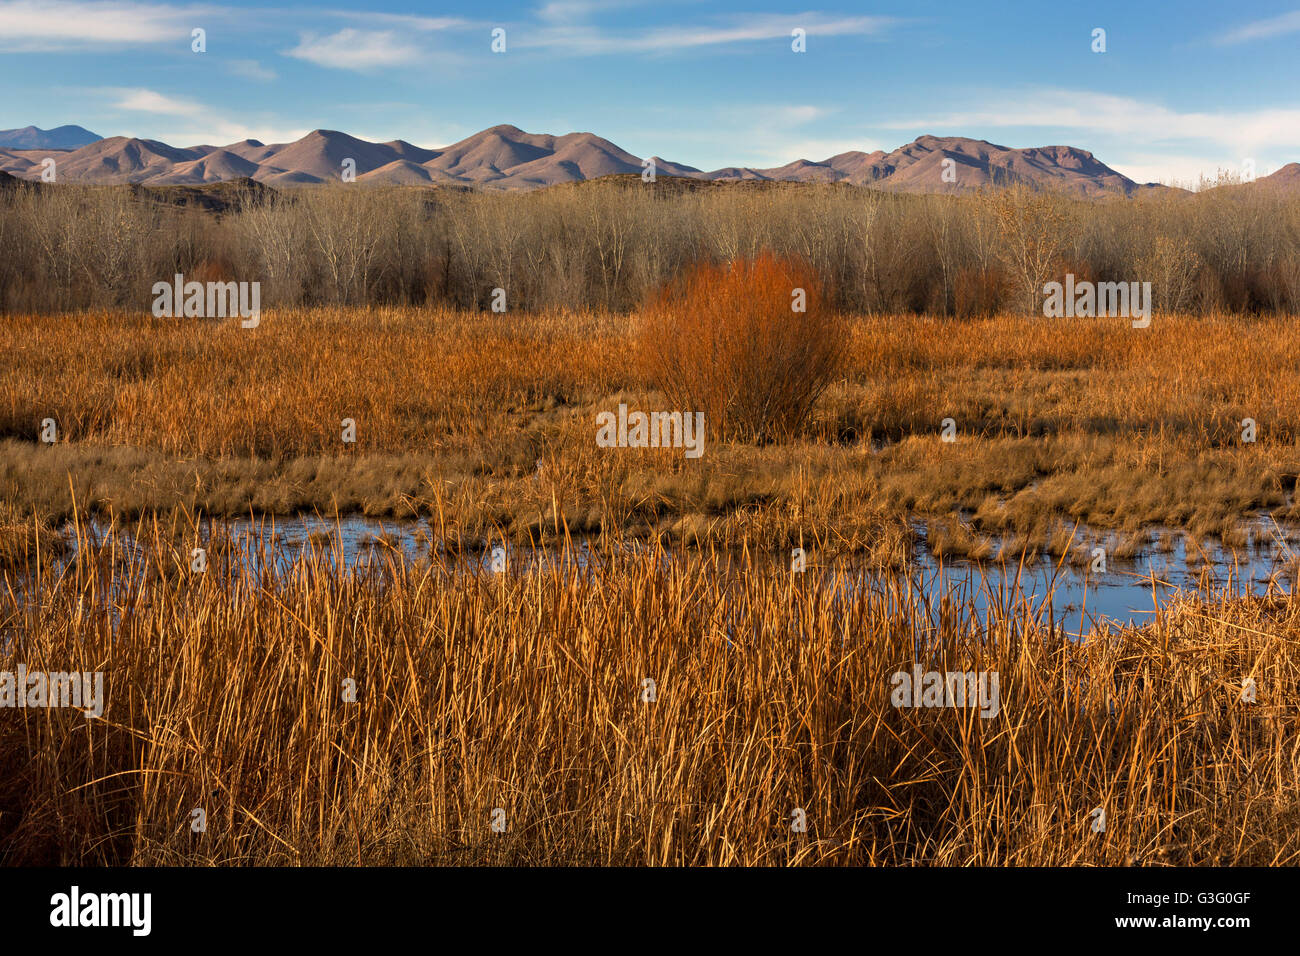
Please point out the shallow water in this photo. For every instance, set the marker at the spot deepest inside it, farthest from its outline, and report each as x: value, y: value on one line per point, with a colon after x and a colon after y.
x: 1127, y: 592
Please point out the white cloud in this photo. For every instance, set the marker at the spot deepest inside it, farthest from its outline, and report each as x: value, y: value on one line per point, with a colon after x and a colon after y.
x: 218, y: 132
x: 150, y: 101
x: 804, y: 113
x: 570, y: 10
x: 1263, y: 29
x: 406, y: 21
x: 582, y: 39
x: 251, y: 69
x: 178, y: 121
x: 1239, y: 132
x: 361, y: 50
x: 46, y: 25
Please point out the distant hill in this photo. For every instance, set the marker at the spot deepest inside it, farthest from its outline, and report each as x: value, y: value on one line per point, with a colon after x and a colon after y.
x: 952, y: 164
x: 61, y: 137
x: 1288, y: 177
x: 506, y: 157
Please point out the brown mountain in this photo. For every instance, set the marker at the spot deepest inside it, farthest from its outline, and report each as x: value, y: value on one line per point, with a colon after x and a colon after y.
x: 505, y: 157
x: 1288, y: 177
x: 216, y: 167
x: 118, y: 159
x: 920, y: 167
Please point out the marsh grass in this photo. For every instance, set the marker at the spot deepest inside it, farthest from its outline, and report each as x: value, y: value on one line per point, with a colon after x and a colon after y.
x: 1058, y: 423
x: 27, y: 537
x: 523, y: 691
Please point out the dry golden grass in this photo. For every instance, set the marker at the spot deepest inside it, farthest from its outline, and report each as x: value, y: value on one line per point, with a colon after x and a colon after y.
x: 1057, y: 421
x: 523, y: 691
x: 25, y: 537
x: 476, y: 691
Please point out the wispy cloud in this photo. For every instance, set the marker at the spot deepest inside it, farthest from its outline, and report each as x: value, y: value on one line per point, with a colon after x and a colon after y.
x: 360, y: 50
x: 566, y: 11
x: 180, y: 121
x: 29, y: 26
x: 151, y: 101
x: 1239, y: 131
x: 366, y: 49
x: 217, y: 131
x: 792, y: 115
x: 588, y: 39
x: 1262, y: 29
x: 403, y: 20
x: 251, y: 69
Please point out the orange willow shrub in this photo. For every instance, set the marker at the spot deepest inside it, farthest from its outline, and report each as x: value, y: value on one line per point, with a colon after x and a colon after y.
x: 751, y: 343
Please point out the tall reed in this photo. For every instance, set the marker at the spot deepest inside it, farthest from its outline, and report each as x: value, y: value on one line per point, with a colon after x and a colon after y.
x: 525, y: 691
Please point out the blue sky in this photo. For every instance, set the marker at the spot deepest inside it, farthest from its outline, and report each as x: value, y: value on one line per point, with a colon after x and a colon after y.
x: 1183, y: 87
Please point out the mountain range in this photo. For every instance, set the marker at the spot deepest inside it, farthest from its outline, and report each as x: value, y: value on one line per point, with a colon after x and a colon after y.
x: 505, y: 157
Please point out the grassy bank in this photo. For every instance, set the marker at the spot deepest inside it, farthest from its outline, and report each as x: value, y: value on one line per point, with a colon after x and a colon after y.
x: 488, y: 422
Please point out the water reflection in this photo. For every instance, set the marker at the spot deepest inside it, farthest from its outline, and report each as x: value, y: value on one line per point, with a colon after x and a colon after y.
x: 1074, y: 598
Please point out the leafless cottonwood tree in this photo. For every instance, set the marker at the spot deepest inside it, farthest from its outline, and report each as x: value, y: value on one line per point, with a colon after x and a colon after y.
x: 1031, y: 233
x: 610, y: 244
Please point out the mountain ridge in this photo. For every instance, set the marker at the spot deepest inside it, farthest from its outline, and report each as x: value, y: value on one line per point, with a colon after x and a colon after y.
x: 504, y: 157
